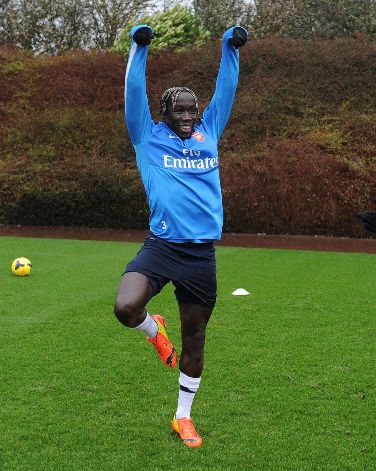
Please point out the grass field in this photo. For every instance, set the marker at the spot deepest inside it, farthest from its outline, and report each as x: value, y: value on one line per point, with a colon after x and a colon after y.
x: 289, y: 382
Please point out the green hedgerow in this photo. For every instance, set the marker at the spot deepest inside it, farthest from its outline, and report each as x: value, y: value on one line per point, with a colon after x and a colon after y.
x: 176, y: 29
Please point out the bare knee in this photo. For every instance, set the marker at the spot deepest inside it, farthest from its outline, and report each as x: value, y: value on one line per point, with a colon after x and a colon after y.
x: 129, y: 313
x: 133, y: 294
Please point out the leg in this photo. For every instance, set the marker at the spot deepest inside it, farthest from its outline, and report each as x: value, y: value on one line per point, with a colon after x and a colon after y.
x: 194, y: 319
x: 133, y: 295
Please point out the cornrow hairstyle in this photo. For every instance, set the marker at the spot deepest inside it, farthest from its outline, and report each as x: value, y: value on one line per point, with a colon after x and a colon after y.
x: 173, y: 93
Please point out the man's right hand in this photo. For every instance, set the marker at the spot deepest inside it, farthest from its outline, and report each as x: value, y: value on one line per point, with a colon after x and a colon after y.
x: 143, y: 36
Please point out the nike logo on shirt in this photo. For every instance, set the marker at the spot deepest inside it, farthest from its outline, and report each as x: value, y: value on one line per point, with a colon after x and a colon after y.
x: 172, y: 137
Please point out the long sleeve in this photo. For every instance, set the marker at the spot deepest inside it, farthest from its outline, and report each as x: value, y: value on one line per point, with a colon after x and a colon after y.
x: 217, y: 113
x: 137, y: 112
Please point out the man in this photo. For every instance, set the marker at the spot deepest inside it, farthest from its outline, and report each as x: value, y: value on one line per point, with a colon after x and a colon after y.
x: 178, y: 162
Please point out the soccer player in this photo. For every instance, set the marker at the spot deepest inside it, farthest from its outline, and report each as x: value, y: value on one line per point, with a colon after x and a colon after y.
x: 178, y: 162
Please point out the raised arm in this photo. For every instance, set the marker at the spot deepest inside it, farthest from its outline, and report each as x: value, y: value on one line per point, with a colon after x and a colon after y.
x: 137, y: 112
x: 217, y: 113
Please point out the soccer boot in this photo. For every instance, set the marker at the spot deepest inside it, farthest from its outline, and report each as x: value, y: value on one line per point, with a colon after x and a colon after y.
x: 185, y: 428
x: 163, y: 346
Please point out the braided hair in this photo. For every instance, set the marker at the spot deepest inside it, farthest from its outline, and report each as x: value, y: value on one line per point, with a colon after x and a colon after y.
x: 173, y: 93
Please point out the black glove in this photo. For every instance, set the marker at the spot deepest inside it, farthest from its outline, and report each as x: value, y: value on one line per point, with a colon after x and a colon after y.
x: 143, y: 36
x: 239, y: 37
x: 369, y: 219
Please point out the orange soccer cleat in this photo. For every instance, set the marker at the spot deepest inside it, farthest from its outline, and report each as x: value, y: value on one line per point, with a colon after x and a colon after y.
x: 185, y: 428
x: 164, y: 347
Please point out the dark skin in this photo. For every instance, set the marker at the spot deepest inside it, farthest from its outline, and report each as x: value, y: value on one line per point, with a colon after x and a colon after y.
x: 183, y: 117
x: 135, y: 291
x: 133, y: 295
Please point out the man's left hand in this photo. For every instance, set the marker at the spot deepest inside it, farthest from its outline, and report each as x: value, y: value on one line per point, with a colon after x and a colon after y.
x: 143, y: 36
x: 239, y: 37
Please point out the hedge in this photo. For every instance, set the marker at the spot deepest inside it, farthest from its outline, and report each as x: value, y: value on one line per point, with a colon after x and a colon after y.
x: 298, y: 155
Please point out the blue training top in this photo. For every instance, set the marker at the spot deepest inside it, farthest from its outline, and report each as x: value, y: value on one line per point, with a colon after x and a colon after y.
x: 181, y: 177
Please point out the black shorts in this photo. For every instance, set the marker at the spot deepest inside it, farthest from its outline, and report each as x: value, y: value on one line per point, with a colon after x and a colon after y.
x: 189, y: 266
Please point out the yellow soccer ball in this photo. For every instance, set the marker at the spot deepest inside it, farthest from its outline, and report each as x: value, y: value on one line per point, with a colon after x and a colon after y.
x: 21, y: 266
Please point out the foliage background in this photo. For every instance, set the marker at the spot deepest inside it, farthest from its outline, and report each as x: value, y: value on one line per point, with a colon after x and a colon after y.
x: 57, y: 26
x: 298, y: 155
x: 176, y: 29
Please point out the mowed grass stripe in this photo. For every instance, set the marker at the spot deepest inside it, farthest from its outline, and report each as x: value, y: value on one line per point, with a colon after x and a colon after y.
x: 288, y: 383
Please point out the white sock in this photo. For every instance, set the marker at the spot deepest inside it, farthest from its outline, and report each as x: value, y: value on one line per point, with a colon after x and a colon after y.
x: 149, y: 326
x: 187, y: 389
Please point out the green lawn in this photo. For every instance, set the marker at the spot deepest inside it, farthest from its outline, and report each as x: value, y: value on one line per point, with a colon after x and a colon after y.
x: 289, y: 382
